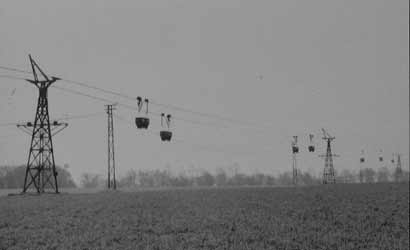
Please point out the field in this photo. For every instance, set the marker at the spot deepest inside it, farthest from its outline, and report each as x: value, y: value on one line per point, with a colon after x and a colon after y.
x: 373, y: 216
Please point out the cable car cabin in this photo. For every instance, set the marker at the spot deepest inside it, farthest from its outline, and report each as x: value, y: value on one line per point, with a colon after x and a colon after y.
x: 311, y: 148
x: 361, y: 160
x: 142, y: 122
x: 165, y: 135
x: 295, y: 149
x: 380, y: 158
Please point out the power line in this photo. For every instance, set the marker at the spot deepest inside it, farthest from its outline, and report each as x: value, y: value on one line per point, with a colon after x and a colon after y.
x: 12, y: 77
x: 119, y: 104
x: 153, y: 102
x: 206, y: 148
x: 65, y: 118
x: 75, y: 117
x: 15, y: 70
x: 259, y: 129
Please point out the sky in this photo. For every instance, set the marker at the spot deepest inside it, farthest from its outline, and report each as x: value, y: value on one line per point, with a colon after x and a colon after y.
x: 277, y: 68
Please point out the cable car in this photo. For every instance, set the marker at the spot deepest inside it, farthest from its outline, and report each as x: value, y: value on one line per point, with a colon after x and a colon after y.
x: 380, y: 155
x: 165, y: 135
x: 362, y: 156
x: 295, y: 148
x: 311, y: 147
x: 142, y: 122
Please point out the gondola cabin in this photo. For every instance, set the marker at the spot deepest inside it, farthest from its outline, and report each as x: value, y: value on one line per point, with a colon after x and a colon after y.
x: 380, y: 158
x: 142, y: 122
x: 361, y: 160
x: 165, y: 135
x: 295, y: 149
x: 311, y: 148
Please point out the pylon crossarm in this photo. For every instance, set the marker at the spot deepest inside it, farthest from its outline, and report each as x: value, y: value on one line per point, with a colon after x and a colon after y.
x: 58, y: 128
x: 24, y: 128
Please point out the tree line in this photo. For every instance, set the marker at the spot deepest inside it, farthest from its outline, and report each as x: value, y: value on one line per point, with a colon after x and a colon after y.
x: 164, y: 178
x: 13, y: 177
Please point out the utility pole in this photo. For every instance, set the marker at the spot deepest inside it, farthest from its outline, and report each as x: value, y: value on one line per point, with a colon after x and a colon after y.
x: 40, y: 169
x: 111, y: 156
x: 328, y: 171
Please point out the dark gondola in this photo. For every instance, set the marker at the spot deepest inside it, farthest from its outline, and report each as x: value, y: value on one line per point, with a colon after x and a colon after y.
x: 142, y: 122
x: 311, y: 147
x: 295, y: 149
x: 165, y: 135
x: 361, y: 160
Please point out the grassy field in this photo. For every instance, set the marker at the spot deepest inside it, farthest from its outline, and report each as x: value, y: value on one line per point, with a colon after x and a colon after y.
x: 323, y: 217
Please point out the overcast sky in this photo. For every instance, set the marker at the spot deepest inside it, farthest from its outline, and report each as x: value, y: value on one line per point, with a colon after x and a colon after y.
x: 283, y: 67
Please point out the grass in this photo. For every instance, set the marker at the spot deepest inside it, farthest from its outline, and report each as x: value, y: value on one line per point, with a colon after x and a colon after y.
x: 354, y: 216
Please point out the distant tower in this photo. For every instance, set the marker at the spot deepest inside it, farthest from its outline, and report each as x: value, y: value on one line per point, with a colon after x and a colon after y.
x: 328, y: 171
x: 111, y: 156
x: 295, y: 150
x: 399, y: 172
x: 40, y: 169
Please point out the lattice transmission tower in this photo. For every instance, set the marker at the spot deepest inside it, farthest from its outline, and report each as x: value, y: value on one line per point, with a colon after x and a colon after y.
x: 329, y: 171
x: 111, y: 181
x: 398, y: 173
x: 41, y: 170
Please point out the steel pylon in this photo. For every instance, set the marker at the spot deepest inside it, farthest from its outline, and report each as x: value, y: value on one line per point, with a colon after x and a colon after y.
x: 41, y: 170
x: 329, y: 171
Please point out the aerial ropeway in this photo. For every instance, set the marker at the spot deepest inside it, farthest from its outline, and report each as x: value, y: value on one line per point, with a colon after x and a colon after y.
x: 142, y: 121
x: 165, y: 135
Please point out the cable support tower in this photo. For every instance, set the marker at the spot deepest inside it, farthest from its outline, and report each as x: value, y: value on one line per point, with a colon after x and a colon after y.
x: 398, y: 173
x: 328, y: 171
x: 40, y: 170
x: 111, y: 181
